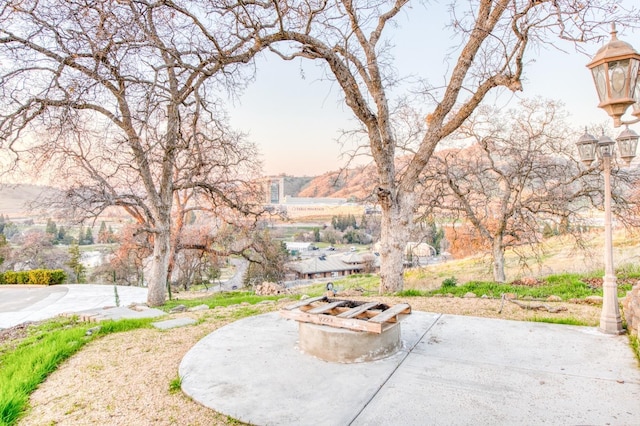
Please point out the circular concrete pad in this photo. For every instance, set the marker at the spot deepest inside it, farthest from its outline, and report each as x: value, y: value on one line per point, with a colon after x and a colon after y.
x: 348, y: 346
x: 451, y: 370
x: 253, y: 370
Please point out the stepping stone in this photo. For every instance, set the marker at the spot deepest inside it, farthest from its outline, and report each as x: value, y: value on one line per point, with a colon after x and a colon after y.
x: 102, y: 314
x: 173, y: 323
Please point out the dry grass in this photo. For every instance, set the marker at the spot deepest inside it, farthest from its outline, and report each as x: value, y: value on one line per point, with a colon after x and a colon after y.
x: 125, y: 378
x: 561, y: 255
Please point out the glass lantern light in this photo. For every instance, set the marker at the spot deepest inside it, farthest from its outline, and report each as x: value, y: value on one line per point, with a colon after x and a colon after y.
x: 627, y: 144
x: 606, y: 146
x: 615, y: 73
x: 587, y: 148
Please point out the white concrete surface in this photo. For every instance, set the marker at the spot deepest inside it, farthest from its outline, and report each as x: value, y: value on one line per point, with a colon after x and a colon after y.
x: 19, y: 304
x: 452, y: 370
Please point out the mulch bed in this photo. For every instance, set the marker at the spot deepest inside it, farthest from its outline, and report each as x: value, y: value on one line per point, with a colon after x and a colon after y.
x: 16, y: 332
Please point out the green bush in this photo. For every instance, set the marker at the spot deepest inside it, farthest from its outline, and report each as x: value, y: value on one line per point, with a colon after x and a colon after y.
x: 449, y: 282
x: 12, y: 277
x: 35, y: 276
x: 58, y: 276
x: 412, y: 292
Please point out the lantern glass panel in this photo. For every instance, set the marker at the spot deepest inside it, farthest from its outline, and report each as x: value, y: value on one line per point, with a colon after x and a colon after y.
x: 628, y: 147
x: 636, y: 96
x: 618, y: 78
x: 587, y: 152
x: 600, y: 80
x: 605, y: 145
x: 633, y: 78
x: 627, y: 144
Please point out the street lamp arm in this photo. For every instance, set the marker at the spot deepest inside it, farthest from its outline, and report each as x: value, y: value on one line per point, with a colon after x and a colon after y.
x: 622, y: 122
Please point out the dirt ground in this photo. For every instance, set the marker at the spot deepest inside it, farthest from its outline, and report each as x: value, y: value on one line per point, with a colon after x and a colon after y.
x: 124, y: 379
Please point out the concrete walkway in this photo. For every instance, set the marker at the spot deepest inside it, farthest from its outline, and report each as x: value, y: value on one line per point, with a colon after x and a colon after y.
x: 19, y: 304
x: 453, y: 370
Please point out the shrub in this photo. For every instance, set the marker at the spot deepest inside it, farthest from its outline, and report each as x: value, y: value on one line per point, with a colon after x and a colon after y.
x: 38, y: 276
x: 13, y: 277
x: 449, y: 282
x: 412, y: 292
x: 35, y: 276
x: 58, y: 276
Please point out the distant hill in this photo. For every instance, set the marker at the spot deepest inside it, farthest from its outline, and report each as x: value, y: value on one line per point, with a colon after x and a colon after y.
x: 18, y: 200
x: 355, y: 183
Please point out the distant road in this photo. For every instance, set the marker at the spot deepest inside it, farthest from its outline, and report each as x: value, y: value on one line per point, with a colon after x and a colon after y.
x: 237, y: 280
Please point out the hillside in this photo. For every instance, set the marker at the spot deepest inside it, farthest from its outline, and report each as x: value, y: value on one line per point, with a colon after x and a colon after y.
x: 349, y: 183
x: 17, y: 200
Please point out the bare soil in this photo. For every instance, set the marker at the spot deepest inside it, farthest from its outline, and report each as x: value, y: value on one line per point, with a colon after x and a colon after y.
x: 125, y: 378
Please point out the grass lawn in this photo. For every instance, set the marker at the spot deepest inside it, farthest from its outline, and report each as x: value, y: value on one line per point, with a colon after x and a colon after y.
x: 23, y: 366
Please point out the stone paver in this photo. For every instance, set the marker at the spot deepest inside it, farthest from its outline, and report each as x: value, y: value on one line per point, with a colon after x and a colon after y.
x: 173, y: 323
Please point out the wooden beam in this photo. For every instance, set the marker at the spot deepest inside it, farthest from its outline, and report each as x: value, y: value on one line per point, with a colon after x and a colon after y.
x: 390, y: 314
x: 354, y: 312
x: 305, y: 302
x: 330, y: 320
x: 327, y: 307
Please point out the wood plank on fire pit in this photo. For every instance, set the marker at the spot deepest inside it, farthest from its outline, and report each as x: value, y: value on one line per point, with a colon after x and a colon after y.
x: 328, y: 307
x: 390, y: 315
x: 354, y: 312
x: 333, y: 321
x: 372, y: 317
x: 305, y: 302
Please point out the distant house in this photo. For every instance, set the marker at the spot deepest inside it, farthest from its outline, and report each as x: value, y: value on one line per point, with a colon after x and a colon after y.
x: 336, y: 265
x: 299, y: 246
x: 414, y: 249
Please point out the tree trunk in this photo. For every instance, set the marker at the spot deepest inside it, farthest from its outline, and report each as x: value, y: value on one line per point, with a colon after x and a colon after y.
x: 159, y: 266
x: 498, y: 260
x: 397, y: 213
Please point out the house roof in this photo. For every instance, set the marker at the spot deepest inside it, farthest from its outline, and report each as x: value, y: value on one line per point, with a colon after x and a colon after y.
x: 331, y: 263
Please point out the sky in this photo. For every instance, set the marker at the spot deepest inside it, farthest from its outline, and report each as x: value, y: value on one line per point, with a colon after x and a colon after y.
x: 295, y: 116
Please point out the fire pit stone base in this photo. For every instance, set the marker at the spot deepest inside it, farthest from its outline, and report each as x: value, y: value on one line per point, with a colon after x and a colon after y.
x: 348, y: 346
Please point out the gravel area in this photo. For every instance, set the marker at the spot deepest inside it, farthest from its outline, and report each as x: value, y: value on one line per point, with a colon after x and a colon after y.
x: 125, y: 378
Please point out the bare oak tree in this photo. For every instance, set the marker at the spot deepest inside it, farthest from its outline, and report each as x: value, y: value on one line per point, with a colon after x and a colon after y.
x: 516, y: 172
x: 490, y: 40
x: 116, y: 102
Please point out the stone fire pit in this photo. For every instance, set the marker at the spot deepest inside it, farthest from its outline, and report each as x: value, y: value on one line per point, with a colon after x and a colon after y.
x: 347, y: 331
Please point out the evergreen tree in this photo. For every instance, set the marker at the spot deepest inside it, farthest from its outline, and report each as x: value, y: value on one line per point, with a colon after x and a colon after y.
x: 10, y: 229
x: 3, y: 244
x: 103, y: 233
x: 62, y: 233
x: 74, y: 263
x: 88, y: 237
x: 52, y: 229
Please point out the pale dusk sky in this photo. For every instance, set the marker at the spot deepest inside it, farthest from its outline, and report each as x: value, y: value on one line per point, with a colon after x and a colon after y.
x: 296, y: 121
